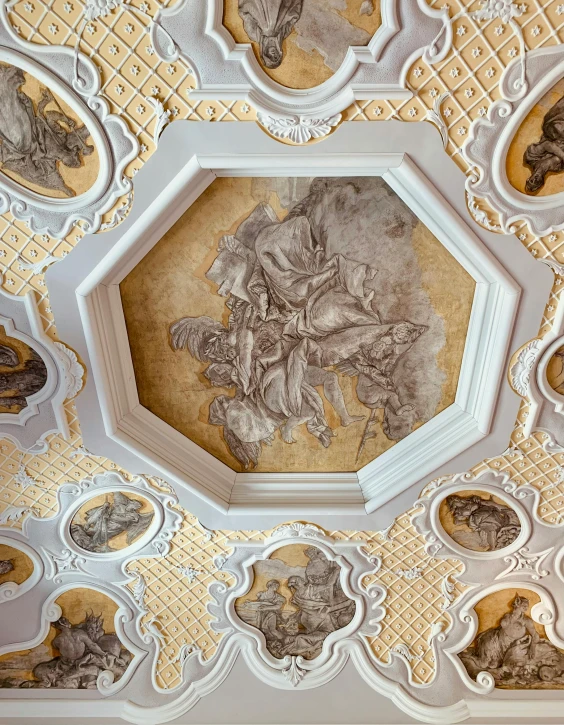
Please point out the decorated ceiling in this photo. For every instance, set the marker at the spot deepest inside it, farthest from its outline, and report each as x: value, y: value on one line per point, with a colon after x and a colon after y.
x: 281, y: 359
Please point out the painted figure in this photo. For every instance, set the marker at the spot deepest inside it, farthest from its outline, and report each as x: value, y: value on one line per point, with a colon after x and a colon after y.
x: 268, y: 23
x: 547, y: 156
x: 83, y: 650
x: 296, y: 316
x: 514, y: 653
x: 17, y: 385
x: 34, y: 141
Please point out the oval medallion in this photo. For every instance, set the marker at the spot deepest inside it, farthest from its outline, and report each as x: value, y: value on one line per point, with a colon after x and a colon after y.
x: 535, y: 160
x: 44, y: 145
x: 296, y: 601
x: 479, y: 521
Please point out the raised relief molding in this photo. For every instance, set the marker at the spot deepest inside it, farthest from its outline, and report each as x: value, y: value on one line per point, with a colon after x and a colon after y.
x: 520, y: 371
x: 74, y: 371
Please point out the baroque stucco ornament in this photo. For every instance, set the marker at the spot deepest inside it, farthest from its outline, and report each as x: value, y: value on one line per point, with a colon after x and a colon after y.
x: 74, y: 79
x: 489, y: 139
x: 227, y: 70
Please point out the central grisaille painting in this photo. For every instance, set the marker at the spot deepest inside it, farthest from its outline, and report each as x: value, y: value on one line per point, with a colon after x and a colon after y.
x: 296, y: 324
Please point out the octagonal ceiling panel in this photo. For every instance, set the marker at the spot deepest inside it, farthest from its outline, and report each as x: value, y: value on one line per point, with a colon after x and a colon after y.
x: 297, y: 324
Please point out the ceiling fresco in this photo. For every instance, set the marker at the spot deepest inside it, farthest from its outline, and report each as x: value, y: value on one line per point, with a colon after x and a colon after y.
x: 291, y: 329
x: 351, y: 339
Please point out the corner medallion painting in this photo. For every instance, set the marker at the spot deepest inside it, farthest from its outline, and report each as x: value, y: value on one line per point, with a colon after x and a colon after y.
x: 79, y: 646
x: 535, y: 160
x: 296, y: 601
x: 44, y: 146
x: 511, y: 646
x: 479, y: 521
x: 111, y: 522
x: 301, y: 43
x: 22, y: 373
x: 297, y: 324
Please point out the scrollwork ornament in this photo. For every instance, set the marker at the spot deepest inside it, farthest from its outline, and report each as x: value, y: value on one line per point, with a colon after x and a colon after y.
x: 520, y: 372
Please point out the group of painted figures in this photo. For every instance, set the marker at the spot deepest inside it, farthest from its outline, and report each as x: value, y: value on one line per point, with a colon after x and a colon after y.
x: 19, y: 381
x: 84, y: 652
x: 297, y: 318
x: 317, y: 607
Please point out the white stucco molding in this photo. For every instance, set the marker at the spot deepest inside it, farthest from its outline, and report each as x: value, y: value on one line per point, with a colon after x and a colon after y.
x: 490, y: 137
x: 225, y: 70
x: 44, y: 413
x: 75, y: 78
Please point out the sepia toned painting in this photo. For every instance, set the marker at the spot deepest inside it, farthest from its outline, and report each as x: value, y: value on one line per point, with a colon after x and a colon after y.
x: 535, y: 160
x: 555, y: 371
x: 111, y: 522
x: 301, y: 43
x: 80, y: 645
x: 22, y: 373
x: 296, y: 601
x: 44, y: 145
x: 511, y: 646
x: 15, y: 566
x: 297, y: 324
x: 479, y: 521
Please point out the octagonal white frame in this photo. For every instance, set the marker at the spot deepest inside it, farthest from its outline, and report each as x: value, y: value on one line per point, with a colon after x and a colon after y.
x: 175, y: 457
